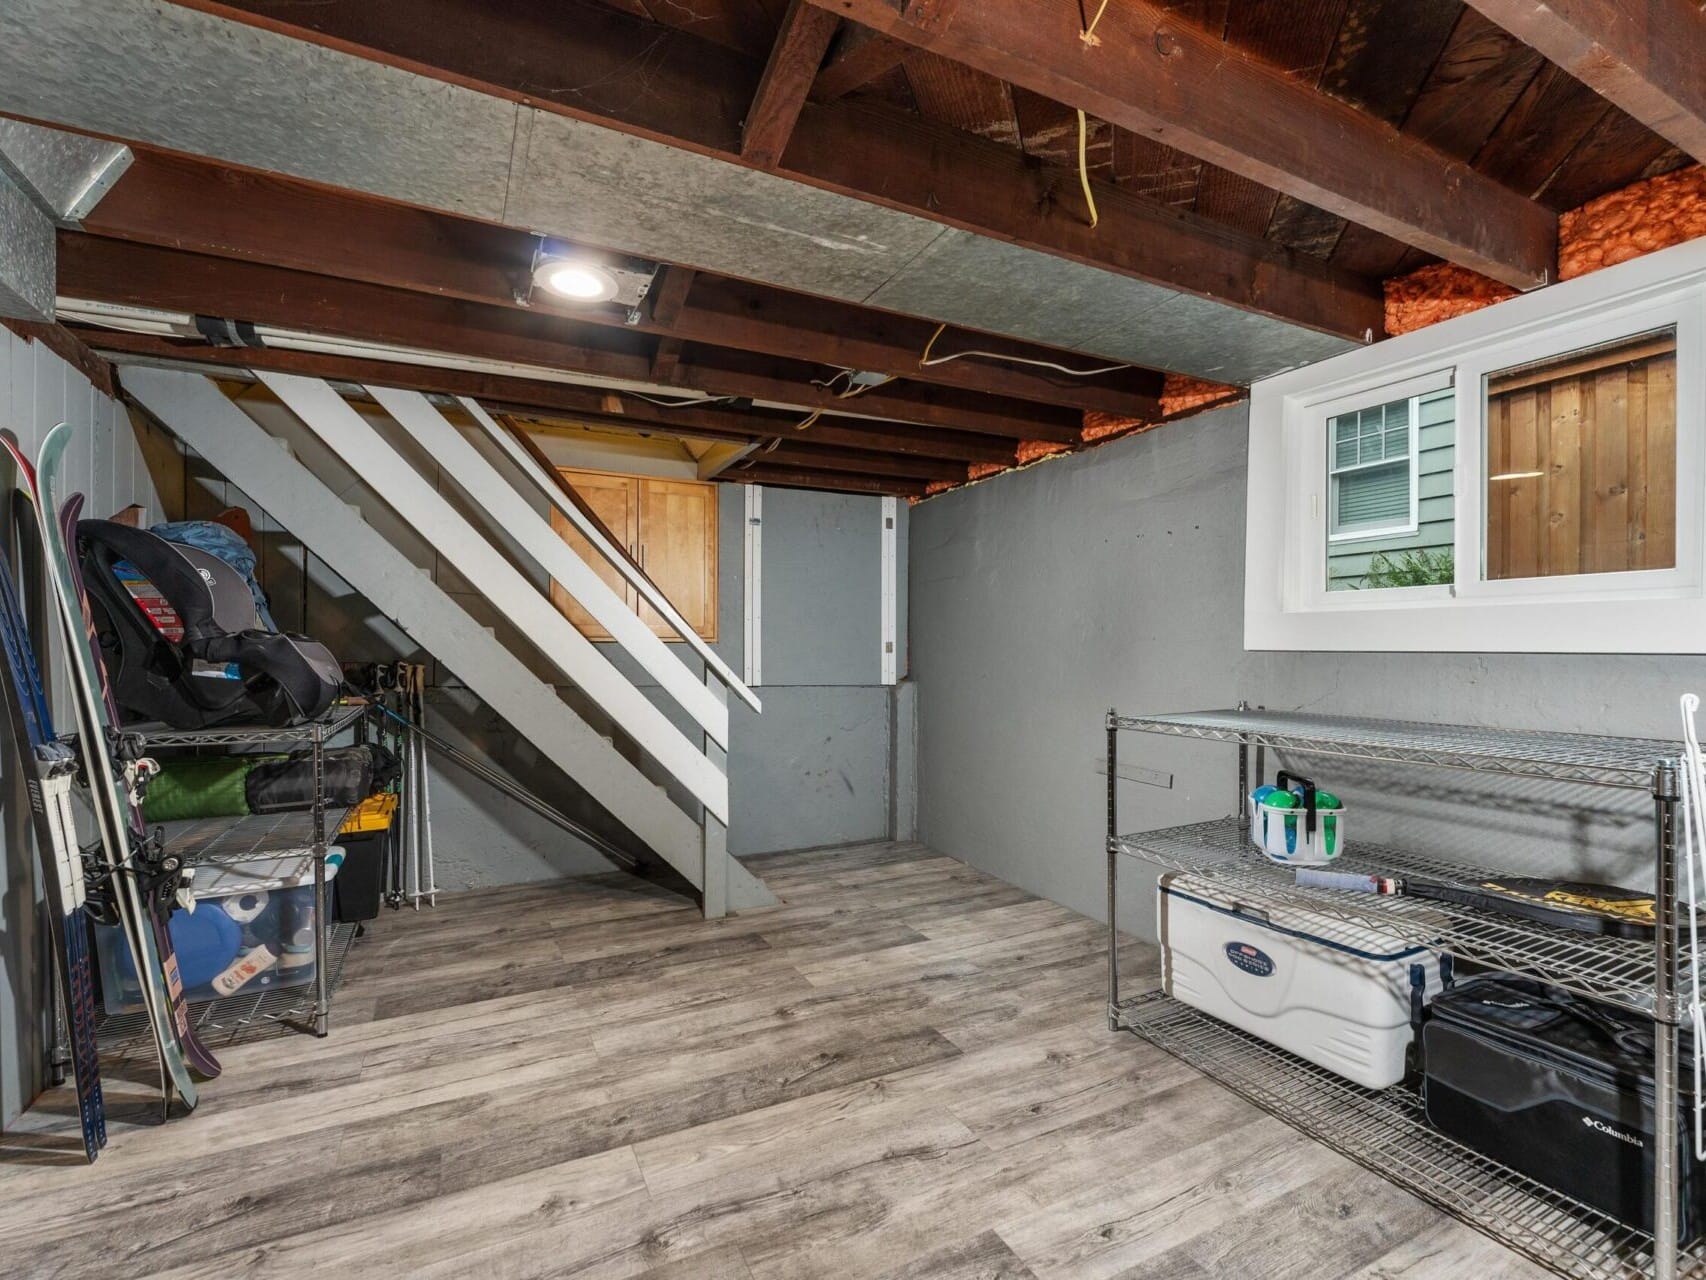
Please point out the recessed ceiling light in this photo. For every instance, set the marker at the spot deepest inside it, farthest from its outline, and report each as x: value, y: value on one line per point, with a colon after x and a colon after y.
x: 575, y: 280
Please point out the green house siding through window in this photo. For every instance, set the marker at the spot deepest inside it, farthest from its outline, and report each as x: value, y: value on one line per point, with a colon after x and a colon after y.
x: 1367, y: 491
x: 1370, y: 468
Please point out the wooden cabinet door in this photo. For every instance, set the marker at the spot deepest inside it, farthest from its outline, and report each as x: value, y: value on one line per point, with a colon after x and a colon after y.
x: 615, y: 500
x: 678, y: 550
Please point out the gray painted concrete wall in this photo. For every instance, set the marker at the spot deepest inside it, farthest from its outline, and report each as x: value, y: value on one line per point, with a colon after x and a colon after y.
x: 1115, y: 578
x: 815, y: 768
x: 107, y: 462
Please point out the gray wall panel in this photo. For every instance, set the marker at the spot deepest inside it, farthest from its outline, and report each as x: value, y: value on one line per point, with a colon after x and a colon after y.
x: 812, y: 770
x: 1115, y: 577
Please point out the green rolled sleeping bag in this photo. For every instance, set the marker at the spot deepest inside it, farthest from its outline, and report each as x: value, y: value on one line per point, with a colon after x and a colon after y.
x: 212, y: 788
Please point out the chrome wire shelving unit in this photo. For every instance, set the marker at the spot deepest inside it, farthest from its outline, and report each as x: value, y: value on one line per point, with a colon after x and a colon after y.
x: 1616, y: 970
x: 284, y: 849
x: 1384, y: 1130
x: 242, y: 1017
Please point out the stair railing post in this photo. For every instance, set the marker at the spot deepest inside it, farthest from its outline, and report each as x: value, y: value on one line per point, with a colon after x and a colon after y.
x: 714, y: 893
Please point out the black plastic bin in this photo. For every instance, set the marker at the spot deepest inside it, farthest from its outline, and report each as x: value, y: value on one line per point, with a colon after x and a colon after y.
x: 366, y: 840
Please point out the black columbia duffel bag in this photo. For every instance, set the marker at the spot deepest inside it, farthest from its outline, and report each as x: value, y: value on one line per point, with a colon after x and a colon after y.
x: 1560, y: 1088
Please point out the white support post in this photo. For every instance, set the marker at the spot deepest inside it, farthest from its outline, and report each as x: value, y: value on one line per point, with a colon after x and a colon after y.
x: 714, y: 893
x: 890, y: 655
x: 752, y: 545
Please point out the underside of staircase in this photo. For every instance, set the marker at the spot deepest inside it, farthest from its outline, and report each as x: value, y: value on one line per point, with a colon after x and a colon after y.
x: 690, y: 839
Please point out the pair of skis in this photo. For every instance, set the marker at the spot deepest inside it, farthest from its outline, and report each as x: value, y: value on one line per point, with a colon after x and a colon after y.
x: 140, y: 878
x: 51, y: 771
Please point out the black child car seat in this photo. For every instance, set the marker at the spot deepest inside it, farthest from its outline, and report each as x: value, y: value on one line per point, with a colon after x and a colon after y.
x: 183, y: 641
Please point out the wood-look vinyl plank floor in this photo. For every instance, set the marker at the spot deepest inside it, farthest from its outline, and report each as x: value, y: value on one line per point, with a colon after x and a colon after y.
x: 902, y: 1072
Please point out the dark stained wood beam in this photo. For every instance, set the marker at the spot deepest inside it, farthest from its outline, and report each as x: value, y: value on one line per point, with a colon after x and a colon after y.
x: 839, y: 482
x: 225, y: 212
x: 763, y: 378
x: 789, y: 453
x: 668, y: 294
x: 1647, y: 57
x: 666, y: 360
x: 1166, y: 79
x: 69, y: 348
x: 586, y: 404
x: 858, y: 57
x: 755, y: 317
x: 794, y: 61
x: 695, y: 93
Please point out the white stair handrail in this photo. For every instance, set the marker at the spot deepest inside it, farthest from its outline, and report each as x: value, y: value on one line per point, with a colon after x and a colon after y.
x: 476, y: 477
x: 529, y: 467
x: 421, y: 506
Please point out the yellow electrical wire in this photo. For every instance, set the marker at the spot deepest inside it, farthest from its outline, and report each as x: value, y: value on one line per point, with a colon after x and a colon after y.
x: 931, y: 345
x: 1088, y: 35
x: 1084, y: 168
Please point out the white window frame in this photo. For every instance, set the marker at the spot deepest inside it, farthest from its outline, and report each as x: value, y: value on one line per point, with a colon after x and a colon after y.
x: 1378, y: 531
x: 1287, y: 604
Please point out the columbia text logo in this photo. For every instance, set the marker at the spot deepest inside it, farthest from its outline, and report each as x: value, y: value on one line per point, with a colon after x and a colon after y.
x: 1630, y: 1138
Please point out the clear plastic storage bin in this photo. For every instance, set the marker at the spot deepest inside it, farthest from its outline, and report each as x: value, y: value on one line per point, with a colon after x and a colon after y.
x: 252, y: 930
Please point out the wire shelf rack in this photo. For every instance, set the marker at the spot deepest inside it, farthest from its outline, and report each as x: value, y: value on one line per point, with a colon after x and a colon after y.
x: 1522, y: 753
x: 335, y: 721
x: 233, y: 841
x: 1386, y: 1133
x: 1618, y: 970
x: 239, y: 1018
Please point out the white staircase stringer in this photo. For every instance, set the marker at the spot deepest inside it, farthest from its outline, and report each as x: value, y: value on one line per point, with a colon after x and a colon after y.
x: 419, y: 504
x: 476, y: 477
x: 260, y: 465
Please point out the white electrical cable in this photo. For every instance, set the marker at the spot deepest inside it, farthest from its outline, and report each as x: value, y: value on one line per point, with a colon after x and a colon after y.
x: 1694, y: 860
x: 680, y: 404
x: 1043, y: 364
x: 926, y: 361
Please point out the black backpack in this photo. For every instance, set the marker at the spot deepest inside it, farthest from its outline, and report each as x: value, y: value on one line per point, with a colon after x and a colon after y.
x: 183, y: 641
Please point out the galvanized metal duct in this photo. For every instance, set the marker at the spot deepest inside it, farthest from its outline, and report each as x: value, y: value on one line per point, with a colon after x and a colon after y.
x: 47, y: 176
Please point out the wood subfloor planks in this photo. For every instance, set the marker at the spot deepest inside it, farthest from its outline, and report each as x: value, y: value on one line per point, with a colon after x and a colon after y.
x: 902, y: 1072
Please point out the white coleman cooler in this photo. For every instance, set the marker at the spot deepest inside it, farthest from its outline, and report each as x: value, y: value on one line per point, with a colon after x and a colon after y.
x: 1346, y: 997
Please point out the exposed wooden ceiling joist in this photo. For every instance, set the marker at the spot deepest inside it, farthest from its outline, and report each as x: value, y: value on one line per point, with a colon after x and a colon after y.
x: 859, y: 462
x: 586, y: 404
x: 841, y: 482
x: 788, y: 75
x: 695, y: 94
x: 740, y: 373
x: 668, y: 294
x: 1166, y: 79
x: 1646, y: 56
x: 225, y: 212
x: 858, y: 57
x: 666, y: 360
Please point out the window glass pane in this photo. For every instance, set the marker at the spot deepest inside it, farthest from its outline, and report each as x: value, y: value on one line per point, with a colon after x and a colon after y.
x: 1370, y: 497
x: 1581, y: 462
x: 1364, y: 501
